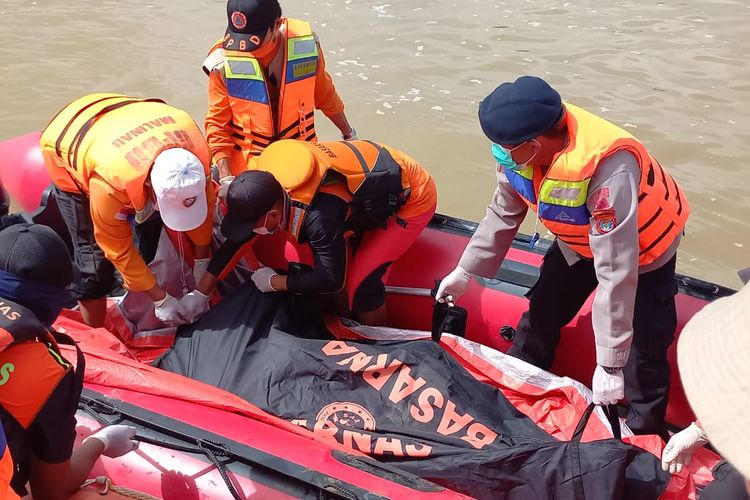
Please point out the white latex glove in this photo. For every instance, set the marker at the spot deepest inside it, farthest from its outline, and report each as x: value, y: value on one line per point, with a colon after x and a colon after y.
x: 224, y: 183
x: 680, y: 448
x: 609, y: 388
x: 166, y: 310
x: 192, y: 306
x: 351, y: 137
x: 262, y: 279
x: 200, y: 266
x: 117, y: 439
x: 454, y: 285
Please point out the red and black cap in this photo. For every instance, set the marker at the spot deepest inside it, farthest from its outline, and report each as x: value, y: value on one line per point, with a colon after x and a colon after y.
x: 248, y: 22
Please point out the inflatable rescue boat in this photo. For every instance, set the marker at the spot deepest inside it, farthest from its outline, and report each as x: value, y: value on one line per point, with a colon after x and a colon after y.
x: 248, y: 403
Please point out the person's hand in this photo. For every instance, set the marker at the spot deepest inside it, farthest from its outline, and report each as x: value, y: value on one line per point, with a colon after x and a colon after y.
x: 351, y: 136
x: 117, y: 439
x: 192, y: 306
x: 262, y: 279
x: 453, y: 286
x: 166, y: 311
x: 608, y: 385
x: 200, y: 266
x: 680, y: 448
x: 224, y: 183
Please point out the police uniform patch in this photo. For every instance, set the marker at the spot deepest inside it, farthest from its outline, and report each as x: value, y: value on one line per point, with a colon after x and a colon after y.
x: 605, y: 219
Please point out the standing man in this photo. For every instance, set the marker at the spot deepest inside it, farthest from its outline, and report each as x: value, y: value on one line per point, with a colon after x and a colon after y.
x: 266, y: 77
x: 618, y: 217
x: 116, y: 160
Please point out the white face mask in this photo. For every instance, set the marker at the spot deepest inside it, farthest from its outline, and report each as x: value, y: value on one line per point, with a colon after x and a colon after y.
x: 146, y: 212
x: 263, y: 230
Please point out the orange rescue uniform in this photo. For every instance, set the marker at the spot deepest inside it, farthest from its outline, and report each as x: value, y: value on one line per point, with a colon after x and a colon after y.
x: 103, y: 146
x: 256, y: 98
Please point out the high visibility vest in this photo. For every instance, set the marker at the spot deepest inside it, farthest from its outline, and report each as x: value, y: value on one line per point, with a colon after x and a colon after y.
x: 254, y: 124
x: 117, y: 138
x: 559, y: 195
x: 363, y: 173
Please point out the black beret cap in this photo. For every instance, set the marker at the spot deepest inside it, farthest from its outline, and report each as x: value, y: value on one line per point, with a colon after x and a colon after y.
x: 518, y: 111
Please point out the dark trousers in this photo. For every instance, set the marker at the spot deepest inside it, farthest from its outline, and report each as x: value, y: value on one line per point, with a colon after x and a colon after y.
x: 559, y: 294
x: 728, y: 484
x: 96, y: 274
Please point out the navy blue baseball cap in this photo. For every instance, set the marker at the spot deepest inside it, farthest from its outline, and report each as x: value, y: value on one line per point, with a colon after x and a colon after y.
x: 518, y: 111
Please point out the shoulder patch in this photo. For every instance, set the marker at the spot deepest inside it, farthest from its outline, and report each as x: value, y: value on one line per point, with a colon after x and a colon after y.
x: 599, y: 199
x: 605, y: 220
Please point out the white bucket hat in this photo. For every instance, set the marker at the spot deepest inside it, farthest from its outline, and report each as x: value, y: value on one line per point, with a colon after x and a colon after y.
x: 178, y: 179
x: 713, y: 355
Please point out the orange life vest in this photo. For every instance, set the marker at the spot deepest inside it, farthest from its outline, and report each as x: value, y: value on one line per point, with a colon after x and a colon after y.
x: 117, y: 138
x: 6, y: 470
x: 559, y: 195
x: 363, y: 173
x: 29, y: 374
x: 255, y: 123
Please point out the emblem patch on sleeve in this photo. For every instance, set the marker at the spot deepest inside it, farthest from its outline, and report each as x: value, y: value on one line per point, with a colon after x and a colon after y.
x: 605, y: 220
x: 599, y: 199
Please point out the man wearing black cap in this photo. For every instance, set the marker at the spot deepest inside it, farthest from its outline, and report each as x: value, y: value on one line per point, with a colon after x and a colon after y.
x: 316, y: 194
x: 617, y: 216
x: 39, y: 389
x: 264, y: 56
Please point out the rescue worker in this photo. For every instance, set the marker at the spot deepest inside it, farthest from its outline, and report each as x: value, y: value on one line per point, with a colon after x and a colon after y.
x: 266, y: 77
x: 318, y: 193
x: 712, y: 355
x: 39, y: 388
x: 116, y: 160
x: 617, y: 216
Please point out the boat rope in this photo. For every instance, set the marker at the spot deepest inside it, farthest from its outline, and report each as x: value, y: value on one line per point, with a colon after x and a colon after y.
x: 209, y: 449
x: 105, y: 485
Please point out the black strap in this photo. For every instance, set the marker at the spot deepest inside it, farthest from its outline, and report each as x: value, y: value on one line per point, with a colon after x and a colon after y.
x: 360, y: 158
x: 64, y: 339
x: 75, y: 144
x: 58, y: 143
x: 579, y: 491
x: 614, y: 420
x: 610, y: 411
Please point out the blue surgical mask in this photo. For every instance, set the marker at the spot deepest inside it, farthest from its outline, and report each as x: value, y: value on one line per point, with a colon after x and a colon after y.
x: 504, y: 158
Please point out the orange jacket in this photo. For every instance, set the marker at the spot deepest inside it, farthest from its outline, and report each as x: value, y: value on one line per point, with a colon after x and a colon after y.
x: 343, y: 168
x: 103, y: 145
x: 559, y: 194
x: 242, y: 121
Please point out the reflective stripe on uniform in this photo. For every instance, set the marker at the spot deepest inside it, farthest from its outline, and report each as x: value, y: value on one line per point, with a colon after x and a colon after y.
x: 522, y: 182
x: 244, y: 79
x: 302, y: 58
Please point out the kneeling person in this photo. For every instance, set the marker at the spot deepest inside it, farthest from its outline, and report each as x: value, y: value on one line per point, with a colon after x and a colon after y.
x: 320, y: 193
x: 114, y: 159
